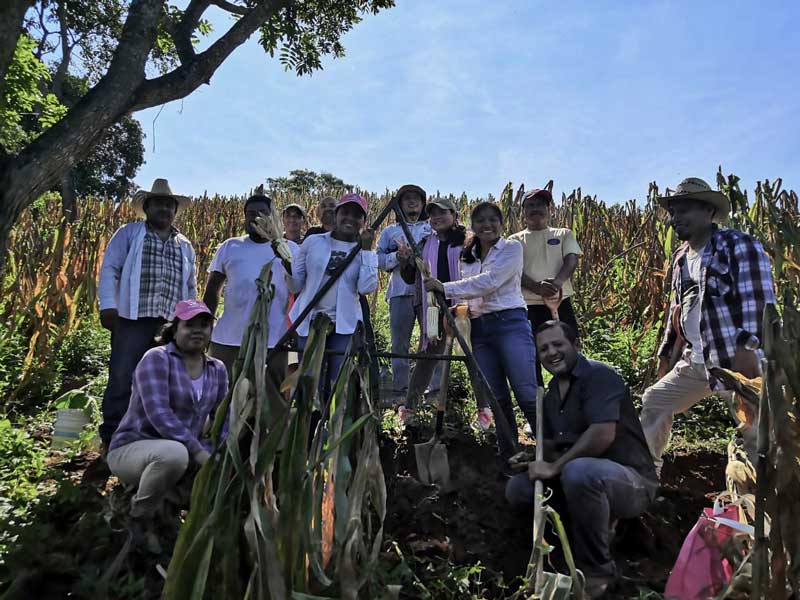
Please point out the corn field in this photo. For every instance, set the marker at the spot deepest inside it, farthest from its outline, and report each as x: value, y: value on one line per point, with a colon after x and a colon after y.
x: 50, y: 280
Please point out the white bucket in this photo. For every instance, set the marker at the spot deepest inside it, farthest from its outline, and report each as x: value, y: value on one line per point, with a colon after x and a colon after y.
x: 68, y: 426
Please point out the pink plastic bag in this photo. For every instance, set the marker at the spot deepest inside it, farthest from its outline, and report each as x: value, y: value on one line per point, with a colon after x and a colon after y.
x: 701, y: 571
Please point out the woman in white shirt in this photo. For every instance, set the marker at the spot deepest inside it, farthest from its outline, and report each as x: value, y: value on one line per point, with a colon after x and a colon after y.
x: 502, y: 341
x: 318, y: 258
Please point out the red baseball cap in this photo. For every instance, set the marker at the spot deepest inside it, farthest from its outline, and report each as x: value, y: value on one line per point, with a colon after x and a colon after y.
x: 188, y: 309
x: 534, y: 193
x: 353, y: 199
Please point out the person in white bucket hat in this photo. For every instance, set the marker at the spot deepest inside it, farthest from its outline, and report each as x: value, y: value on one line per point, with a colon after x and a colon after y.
x: 148, y: 267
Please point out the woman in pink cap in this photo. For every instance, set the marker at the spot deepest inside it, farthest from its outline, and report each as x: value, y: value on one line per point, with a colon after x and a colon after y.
x: 176, y: 388
x: 317, y: 260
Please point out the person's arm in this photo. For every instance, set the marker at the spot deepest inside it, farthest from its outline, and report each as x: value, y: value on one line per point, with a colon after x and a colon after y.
x: 151, y: 378
x: 297, y: 280
x: 752, y: 276
x: 192, y: 281
x: 387, y: 254
x: 565, y: 272
x: 213, y: 289
x: 368, y: 269
x: 222, y: 391
x: 507, y: 265
x: 670, y: 338
x: 593, y: 442
x: 532, y: 285
x: 110, y: 273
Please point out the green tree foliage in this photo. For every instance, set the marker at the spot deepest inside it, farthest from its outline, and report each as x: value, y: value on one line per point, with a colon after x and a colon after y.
x: 25, y: 110
x: 305, y: 182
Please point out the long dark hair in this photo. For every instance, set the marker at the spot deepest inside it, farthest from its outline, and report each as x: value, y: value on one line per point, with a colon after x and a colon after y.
x: 166, y: 333
x: 472, y: 248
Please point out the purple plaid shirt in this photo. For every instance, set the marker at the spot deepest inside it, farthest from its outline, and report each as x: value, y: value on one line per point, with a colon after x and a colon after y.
x: 736, y: 284
x: 163, y: 405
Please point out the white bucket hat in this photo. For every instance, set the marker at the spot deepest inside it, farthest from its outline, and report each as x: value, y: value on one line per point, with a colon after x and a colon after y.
x: 160, y: 188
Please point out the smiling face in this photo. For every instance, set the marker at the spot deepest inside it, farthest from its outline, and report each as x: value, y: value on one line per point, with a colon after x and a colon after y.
x: 350, y: 220
x: 690, y: 219
x: 487, y: 225
x: 537, y: 212
x: 556, y: 353
x: 293, y: 221
x: 411, y: 204
x: 192, y: 336
x: 160, y: 211
x: 441, y: 219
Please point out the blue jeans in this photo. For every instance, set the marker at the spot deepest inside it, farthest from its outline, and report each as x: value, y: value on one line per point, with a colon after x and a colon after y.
x: 331, y: 363
x: 597, y: 490
x: 503, y: 346
x: 130, y: 339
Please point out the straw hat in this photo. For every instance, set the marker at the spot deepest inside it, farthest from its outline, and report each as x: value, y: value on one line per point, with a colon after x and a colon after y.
x: 160, y: 188
x: 694, y: 188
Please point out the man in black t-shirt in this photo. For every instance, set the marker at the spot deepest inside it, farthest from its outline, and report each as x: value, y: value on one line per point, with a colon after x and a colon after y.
x: 594, y: 447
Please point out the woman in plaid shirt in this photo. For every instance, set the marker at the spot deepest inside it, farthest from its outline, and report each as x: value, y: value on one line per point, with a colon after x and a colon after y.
x: 176, y: 388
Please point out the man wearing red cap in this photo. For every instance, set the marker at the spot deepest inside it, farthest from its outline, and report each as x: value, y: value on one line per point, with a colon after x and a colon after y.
x: 550, y: 256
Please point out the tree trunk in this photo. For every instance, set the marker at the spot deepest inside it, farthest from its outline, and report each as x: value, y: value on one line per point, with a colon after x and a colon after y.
x: 69, y: 200
x: 12, y: 13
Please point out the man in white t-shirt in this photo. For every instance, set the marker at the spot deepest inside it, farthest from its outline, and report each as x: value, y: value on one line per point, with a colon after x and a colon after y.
x: 236, y: 265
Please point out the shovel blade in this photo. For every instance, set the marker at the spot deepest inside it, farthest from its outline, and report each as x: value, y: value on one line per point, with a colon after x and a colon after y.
x: 439, y: 466
x: 422, y: 452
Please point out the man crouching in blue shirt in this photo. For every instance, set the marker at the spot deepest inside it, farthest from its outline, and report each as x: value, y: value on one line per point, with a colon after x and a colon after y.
x: 593, y: 446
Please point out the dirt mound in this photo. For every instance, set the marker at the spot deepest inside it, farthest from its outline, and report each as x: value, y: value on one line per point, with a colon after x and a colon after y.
x: 471, y: 521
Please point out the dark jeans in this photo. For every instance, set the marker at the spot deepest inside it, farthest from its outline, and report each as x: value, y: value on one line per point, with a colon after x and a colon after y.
x: 331, y: 363
x: 129, y: 341
x: 539, y: 313
x: 503, y: 346
x: 597, y: 490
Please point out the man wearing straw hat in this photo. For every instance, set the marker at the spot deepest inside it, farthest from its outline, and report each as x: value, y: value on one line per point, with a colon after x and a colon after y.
x: 721, y: 281
x: 148, y: 267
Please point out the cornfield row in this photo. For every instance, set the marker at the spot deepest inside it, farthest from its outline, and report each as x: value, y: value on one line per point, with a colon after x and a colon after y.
x: 50, y: 279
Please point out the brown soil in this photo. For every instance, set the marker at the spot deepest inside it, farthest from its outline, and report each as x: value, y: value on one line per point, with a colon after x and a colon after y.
x: 471, y: 522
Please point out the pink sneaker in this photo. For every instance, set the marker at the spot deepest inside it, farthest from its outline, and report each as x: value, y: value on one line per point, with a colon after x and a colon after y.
x: 406, y: 415
x: 485, y: 418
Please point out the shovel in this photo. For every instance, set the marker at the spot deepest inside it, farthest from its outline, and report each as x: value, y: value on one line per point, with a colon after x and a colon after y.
x: 432, y: 463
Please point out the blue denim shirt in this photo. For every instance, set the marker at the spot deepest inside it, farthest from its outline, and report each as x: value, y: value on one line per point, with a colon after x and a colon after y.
x: 387, y: 255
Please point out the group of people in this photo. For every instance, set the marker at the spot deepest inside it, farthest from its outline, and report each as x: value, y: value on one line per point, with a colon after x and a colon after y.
x: 164, y: 386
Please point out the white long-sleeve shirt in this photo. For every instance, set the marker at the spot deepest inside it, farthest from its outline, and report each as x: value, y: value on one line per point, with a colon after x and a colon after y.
x: 121, y: 273
x: 390, y: 239
x: 309, y: 273
x: 493, y: 284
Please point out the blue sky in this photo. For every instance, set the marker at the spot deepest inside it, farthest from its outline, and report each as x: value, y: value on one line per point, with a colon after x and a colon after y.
x: 466, y: 95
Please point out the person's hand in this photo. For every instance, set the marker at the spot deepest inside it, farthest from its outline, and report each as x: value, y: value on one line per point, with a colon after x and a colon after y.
x: 746, y: 362
x: 434, y: 285
x: 201, y: 457
x: 549, y: 288
x: 542, y: 470
x: 367, y: 238
x: 108, y: 318
x: 403, y: 254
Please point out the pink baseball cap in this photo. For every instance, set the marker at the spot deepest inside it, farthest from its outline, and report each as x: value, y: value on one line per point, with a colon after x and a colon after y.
x: 188, y: 309
x: 353, y: 199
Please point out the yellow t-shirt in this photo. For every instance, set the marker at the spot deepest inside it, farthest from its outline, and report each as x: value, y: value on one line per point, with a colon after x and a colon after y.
x: 543, y: 256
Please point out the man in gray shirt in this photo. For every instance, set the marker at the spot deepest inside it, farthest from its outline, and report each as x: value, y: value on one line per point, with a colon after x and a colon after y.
x: 594, y: 448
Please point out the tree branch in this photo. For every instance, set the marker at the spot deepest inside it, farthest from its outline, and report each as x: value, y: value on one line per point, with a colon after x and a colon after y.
x: 12, y: 15
x: 230, y: 7
x: 181, y: 32
x: 185, y: 79
x: 66, y: 52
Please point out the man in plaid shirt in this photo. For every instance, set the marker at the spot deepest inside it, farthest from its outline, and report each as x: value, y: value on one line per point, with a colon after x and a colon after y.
x: 721, y: 281
x: 148, y: 267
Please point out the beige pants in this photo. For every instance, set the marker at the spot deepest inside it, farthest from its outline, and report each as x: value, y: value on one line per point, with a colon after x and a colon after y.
x: 152, y: 466
x: 680, y: 389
